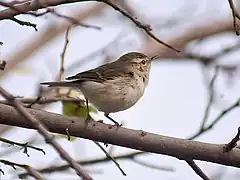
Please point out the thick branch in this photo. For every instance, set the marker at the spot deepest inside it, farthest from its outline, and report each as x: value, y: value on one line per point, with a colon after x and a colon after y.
x: 44, y: 132
x: 135, y: 139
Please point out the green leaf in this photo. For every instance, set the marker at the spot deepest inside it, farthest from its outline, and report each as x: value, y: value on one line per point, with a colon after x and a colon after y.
x: 77, y: 110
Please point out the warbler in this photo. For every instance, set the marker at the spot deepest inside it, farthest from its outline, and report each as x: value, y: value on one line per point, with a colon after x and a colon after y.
x: 114, y: 86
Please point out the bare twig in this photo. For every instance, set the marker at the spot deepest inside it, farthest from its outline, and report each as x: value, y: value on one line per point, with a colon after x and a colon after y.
x: 43, y: 131
x: 61, y: 72
x: 197, y: 169
x: 216, y: 120
x: 206, y: 60
x: 145, y: 27
x: 34, y: 173
x: 86, y: 59
x: 73, y: 20
x: 233, y: 143
x: 87, y: 162
x: 11, y: 150
x: 110, y: 157
x: 152, y: 166
x: 235, y: 15
x: 45, y: 100
x: 211, y: 97
x: 62, y: 56
x: 34, y: 102
x: 23, y: 145
x: 24, y: 23
x: 48, y: 10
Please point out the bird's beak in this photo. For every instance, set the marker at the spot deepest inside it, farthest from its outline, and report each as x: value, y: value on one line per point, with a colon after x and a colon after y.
x: 154, y: 57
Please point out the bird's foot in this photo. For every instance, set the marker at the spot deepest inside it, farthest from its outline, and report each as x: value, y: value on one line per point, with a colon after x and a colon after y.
x: 111, y: 119
x: 88, y: 118
x: 117, y: 124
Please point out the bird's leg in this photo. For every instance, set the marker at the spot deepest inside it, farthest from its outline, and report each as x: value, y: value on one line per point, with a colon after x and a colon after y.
x: 88, y: 115
x: 115, y: 122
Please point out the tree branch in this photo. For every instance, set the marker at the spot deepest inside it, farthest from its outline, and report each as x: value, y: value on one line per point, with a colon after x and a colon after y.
x: 235, y: 15
x: 24, y: 23
x: 45, y: 100
x: 135, y: 139
x: 30, y: 6
x: 210, y: 101
x: 44, y: 132
x: 197, y: 170
x: 110, y: 157
x: 87, y: 162
x: 34, y: 173
x: 25, y: 146
x: 216, y: 120
x: 233, y: 143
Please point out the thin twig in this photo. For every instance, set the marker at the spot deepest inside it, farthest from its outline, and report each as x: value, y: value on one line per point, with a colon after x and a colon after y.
x: 10, y: 150
x: 233, y: 143
x: 87, y: 162
x: 197, y: 169
x: 235, y: 15
x: 48, y: 10
x: 61, y: 72
x: 145, y: 27
x: 62, y: 56
x: 152, y: 166
x: 45, y: 100
x: 33, y: 172
x: 34, y: 102
x: 24, y: 23
x: 86, y: 59
x: 211, y: 87
x: 110, y: 157
x: 49, y: 138
x: 73, y: 20
x: 207, y: 60
x: 216, y: 120
x: 23, y: 145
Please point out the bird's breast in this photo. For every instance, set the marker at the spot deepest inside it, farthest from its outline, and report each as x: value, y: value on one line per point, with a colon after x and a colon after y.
x: 114, y: 95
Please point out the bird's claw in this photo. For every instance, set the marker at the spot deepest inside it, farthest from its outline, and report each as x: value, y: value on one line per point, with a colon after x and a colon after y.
x: 117, y: 124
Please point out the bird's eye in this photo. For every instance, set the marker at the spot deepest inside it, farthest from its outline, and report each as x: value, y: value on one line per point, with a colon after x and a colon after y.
x: 143, y: 62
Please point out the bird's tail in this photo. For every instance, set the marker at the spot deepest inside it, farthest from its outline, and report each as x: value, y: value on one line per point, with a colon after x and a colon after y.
x: 60, y: 84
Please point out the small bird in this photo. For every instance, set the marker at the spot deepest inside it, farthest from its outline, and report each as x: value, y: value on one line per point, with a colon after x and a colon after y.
x: 114, y: 86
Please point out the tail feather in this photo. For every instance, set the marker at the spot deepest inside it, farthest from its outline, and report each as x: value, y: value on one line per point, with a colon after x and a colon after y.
x: 60, y: 84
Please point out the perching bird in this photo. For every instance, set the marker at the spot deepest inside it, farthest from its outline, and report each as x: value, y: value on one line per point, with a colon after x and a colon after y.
x: 115, y: 86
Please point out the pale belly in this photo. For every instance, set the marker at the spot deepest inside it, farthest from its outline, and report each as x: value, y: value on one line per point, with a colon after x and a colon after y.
x: 113, y: 96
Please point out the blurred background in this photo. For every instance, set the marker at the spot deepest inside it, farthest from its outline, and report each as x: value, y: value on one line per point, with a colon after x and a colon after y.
x: 174, y: 104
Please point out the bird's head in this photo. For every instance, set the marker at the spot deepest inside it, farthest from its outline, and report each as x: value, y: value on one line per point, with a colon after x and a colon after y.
x: 138, y: 60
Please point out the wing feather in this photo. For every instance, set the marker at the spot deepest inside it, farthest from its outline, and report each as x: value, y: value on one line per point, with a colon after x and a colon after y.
x: 105, y: 72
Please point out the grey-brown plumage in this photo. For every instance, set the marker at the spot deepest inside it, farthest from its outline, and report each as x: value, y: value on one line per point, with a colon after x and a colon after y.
x: 114, y: 86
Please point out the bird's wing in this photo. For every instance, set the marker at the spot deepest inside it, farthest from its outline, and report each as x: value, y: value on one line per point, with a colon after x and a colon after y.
x: 102, y: 73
